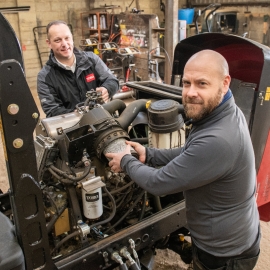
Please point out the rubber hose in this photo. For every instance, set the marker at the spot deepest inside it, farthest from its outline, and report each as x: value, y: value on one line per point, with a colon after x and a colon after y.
x: 119, y: 189
x: 140, y: 140
x: 115, y: 105
x: 134, y: 266
x: 157, y: 203
x: 130, y: 113
x: 59, y: 244
x: 143, y: 206
x: 123, y: 266
x: 128, y: 211
x: 72, y: 178
x: 111, y: 215
x: 64, y: 181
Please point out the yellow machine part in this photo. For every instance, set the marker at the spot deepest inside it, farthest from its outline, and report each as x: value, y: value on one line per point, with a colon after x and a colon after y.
x: 62, y: 224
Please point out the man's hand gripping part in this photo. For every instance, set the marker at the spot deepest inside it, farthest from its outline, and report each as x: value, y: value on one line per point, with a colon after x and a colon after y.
x: 115, y: 158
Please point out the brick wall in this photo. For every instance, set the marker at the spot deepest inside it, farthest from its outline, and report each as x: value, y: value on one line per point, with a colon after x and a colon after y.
x: 43, y: 11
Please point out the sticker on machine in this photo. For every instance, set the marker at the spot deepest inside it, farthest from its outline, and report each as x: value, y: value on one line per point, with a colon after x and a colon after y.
x: 90, y: 77
x: 267, y: 94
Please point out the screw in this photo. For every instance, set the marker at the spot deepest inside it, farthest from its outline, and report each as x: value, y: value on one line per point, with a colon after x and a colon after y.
x: 18, y: 143
x: 35, y: 115
x: 13, y: 109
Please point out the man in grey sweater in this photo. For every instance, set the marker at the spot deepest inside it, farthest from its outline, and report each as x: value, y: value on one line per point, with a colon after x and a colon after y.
x: 215, y: 169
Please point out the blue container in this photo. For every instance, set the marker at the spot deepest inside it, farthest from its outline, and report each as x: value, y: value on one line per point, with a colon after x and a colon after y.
x: 186, y: 14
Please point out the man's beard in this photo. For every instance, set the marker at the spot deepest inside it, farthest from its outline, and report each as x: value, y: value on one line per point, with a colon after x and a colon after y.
x: 193, y: 112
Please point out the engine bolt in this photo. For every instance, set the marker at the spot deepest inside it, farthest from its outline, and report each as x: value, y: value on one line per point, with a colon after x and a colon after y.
x: 18, y: 143
x: 13, y: 109
x: 35, y: 115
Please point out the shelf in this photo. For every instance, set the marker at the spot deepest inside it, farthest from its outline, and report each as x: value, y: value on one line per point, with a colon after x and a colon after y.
x: 159, y: 56
x: 94, y: 29
x: 158, y: 29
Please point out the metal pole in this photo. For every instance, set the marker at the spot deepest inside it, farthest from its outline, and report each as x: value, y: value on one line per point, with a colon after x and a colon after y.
x: 171, y: 36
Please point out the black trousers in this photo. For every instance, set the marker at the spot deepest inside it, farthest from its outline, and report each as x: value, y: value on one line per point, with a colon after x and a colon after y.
x: 205, y: 261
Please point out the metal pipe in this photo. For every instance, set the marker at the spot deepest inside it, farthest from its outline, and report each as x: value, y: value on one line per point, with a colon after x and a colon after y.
x: 123, y: 95
x: 171, y: 35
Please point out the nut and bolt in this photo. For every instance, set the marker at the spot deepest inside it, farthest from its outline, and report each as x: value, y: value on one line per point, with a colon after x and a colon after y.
x: 18, y: 143
x: 35, y: 115
x: 13, y: 109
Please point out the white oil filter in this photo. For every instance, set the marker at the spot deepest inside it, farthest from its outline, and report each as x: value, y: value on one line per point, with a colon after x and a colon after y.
x: 92, y: 197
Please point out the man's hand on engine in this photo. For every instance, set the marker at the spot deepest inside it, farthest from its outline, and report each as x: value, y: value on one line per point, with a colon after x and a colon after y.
x: 104, y: 93
x: 139, y: 149
x: 116, y: 159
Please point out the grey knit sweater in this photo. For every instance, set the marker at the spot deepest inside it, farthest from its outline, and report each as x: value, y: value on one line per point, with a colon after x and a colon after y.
x: 216, y: 171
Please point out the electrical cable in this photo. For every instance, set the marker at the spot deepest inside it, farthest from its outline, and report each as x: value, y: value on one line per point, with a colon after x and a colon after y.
x: 128, y: 211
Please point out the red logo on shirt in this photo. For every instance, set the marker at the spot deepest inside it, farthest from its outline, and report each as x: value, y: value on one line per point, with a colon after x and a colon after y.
x: 90, y: 77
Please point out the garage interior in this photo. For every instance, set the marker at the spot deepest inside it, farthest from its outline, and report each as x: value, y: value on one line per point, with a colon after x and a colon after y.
x: 137, y: 40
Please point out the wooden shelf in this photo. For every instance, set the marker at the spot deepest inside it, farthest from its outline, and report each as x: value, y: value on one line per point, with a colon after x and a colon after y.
x: 158, y: 29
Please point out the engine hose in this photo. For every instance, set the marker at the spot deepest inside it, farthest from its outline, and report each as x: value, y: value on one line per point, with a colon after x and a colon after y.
x: 123, y: 266
x: 59, y: 244
x: 140, y: 140
x: 121, y: 199
x: 78, y: 105
x: 138, y: 262
x: 128, y: 211
x: 115, y: 105
x: 72, y: 178
x: 51, y: 200
x: 143, y: 206
x: 134, y: 266
x: 112, y: 213
x: 130, y: 113
x: 51, y: 223
x: 64, y: 181
x: 86, y: 101
x: 157, y: 203
x: 120, y: 189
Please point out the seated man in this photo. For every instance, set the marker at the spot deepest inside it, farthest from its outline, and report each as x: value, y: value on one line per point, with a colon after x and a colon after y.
x: 69, y: 73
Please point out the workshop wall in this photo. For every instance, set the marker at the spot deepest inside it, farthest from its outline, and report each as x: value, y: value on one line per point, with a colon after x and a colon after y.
x: 251, y: 20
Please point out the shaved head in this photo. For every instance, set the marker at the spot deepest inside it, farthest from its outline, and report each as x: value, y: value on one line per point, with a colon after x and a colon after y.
x: 214, y: 60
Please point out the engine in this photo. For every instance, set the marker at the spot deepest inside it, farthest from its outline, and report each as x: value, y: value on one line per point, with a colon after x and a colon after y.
x: 84, y: 201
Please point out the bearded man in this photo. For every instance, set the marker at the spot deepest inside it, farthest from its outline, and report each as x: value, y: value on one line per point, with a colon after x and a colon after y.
x: 215, y: 169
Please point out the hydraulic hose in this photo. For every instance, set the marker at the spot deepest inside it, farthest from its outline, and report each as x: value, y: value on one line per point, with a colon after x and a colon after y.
x: 128, y: 211
x: 71, y: 177
x: 157, y: 203
x: 143, y: 206
x: 61, y: 179
x: 59, y: 244
x: 116, y: 257
x: 123, y: 266
x: 134, y: 266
